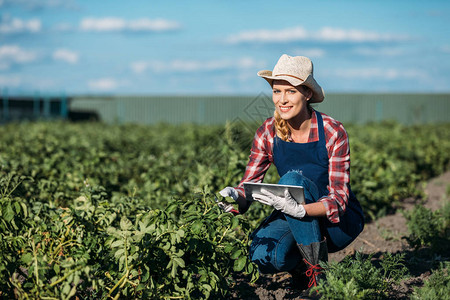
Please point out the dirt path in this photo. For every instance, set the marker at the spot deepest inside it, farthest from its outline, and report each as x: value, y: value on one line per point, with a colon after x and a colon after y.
x: 384, y: 235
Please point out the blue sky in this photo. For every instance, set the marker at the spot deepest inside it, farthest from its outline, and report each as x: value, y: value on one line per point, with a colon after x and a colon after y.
x: 217, y: 47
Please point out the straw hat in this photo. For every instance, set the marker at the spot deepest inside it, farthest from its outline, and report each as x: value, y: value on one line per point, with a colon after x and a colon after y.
x: 297, y: 70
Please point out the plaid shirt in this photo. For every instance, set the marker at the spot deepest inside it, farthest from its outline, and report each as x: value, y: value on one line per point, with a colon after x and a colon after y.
x: 261, y: 157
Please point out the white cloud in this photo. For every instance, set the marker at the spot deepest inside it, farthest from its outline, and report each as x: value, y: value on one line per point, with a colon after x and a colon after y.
x: 299, y: 33
x: 269, y: 36
x: 12, y: 54
x: 118, y: 24
x: 152, y: 25
x: 41, y: 83
x: 66, y: 55
x: 354, y: 35
x: 181, y: 65
x: 10, y: 81
x: 139, y: 66
x: 63, y: 27
x: 15, y: 25
x: 104, y: 84
x: 385, y: 51
x: 312, y: 52
x: 379, y: 74
x: 4, y: 66
x: 41, y: 4
x: 445, y: 49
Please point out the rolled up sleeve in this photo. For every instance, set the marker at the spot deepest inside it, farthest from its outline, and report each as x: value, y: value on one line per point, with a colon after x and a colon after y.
x: 260, y: 156
x: 339, y: 173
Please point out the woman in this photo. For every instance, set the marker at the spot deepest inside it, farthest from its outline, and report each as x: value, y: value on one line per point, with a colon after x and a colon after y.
x: 309, y: 149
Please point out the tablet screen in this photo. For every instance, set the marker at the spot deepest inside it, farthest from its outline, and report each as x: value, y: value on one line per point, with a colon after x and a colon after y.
x: 296, y: 192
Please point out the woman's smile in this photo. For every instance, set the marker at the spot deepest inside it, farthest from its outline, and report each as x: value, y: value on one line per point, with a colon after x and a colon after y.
x: 285, y: 108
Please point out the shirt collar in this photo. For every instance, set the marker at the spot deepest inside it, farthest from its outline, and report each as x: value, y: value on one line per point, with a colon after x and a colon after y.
x: 312, y: 129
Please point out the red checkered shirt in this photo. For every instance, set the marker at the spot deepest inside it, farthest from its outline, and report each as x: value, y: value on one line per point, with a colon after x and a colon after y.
x: 261, y: 157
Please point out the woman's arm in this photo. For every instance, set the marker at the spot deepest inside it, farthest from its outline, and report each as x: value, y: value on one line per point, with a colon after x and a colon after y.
x: 316, y: 209
x: 335, y: 202
x: 259, y: 159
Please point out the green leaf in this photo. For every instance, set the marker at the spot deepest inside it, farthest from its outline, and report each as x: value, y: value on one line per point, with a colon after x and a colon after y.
x: 249, y: 268
x: 145, y: 276
x: 239, y: 264
x: 17, y: 207
x: 25, y: 209
x: 236, y: 254
x: 8, y: 213
x: 234, y: 222
x: 117, y: 243
x: 228, y: 248
x: 180, y: 233
x: 174, y: 270
x: 125, y: 224
x: 197, y: 227
x: 66, y: 289
x: 207, y: 287
x: 27, y: 258
x: 56, y: 268
x: 179, y: 261
x: 119, y: 253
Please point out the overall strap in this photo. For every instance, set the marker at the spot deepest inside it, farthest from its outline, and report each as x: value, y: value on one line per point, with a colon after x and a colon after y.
x: 320, y: 128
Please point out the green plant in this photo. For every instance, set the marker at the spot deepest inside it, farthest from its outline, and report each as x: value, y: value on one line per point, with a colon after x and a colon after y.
x: 358, y: 278
x: 99, y: 248
x: 436, y: 287
x: 429, y: 229
x: 92, y: 210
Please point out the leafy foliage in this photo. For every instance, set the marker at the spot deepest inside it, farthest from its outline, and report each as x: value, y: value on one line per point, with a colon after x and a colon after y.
x: 98, y: 248
x: 429, y: 229
x: 436, y: 287
x: 389, y: 160
x: 359, y: 278
x: 120, y: 211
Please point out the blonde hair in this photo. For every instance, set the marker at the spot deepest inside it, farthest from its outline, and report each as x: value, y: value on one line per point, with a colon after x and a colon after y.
x: 281, y: 126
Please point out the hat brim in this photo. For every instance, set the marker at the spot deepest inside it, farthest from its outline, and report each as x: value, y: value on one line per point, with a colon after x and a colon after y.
x: 318, y: 93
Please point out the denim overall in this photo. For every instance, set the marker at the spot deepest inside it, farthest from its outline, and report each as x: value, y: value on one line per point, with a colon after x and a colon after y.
x: 274, y: 246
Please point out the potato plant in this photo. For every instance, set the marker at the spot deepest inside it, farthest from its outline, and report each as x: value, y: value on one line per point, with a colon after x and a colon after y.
x: 92, y: 210
x: 99, y: 248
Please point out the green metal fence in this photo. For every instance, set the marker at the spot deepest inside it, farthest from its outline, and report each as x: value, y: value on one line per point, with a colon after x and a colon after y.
x: 348, y: 108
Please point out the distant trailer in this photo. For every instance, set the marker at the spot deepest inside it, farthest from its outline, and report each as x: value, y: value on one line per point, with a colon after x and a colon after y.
x: 32, y: 108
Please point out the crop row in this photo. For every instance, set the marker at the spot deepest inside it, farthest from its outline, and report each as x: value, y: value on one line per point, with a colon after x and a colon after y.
x: 97, y: 210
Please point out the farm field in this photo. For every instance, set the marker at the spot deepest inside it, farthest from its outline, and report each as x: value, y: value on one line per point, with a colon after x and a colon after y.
x: 100, y: 211
x: 385, y: 235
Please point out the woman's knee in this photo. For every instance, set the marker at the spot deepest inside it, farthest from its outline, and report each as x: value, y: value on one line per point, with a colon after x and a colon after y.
x: 295, y: 177
x: 292, y: 178
x: 272, y: 259
x: 260, y: 255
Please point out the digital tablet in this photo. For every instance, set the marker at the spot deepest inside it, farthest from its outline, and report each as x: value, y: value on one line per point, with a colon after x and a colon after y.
x: 296, y: 191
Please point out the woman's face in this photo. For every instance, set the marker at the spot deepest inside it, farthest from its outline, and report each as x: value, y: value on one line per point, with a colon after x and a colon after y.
x: 290, y: 101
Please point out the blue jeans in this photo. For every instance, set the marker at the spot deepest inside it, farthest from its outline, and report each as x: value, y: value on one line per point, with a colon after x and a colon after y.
x: 274, y: 245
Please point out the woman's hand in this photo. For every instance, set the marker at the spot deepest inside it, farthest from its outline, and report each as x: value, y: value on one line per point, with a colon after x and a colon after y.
x: 285, y: 204
x: 229, y: 192
x: 241, y: 201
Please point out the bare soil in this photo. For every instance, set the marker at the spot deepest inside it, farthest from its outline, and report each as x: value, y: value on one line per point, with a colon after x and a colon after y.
x: 384, y: 235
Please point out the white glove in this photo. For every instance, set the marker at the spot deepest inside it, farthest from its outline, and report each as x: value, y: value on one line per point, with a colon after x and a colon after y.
x: 229, y: 192
x: 285, y: 204
x: 225, y: 207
